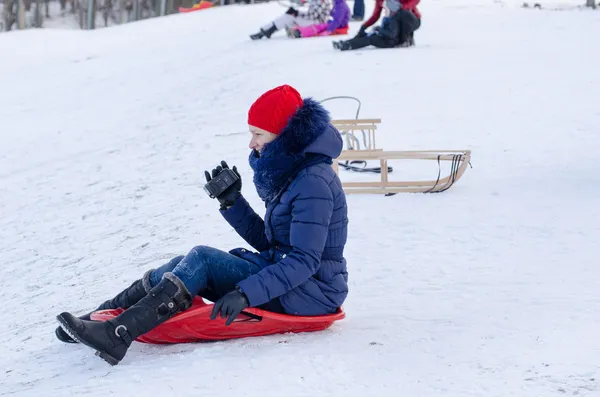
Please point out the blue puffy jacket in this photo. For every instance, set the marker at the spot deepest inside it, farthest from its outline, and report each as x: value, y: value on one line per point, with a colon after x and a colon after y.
x: 301, y: 241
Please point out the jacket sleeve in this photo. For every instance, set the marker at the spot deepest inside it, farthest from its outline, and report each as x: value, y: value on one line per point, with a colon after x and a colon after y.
x: 410, y: 4
x: 318, y: 10
x: 312, y: 207
x: 376, y: 14
x: 247, y: 223
x: 336, y: 14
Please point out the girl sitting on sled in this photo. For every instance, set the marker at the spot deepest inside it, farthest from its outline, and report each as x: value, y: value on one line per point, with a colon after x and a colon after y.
x: 340, y: 16
x: 318, y: 12
x: 397, y: 27
x: 299, y: 268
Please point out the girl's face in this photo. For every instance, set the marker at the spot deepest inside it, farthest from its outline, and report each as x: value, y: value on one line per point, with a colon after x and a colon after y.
x: 259, y: 138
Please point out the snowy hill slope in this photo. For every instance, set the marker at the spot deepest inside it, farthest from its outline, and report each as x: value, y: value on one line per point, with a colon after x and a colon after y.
x: 489, y: 289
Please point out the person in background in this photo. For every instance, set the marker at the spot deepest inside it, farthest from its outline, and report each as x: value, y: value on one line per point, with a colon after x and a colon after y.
x: 408, y: 5
x: 358, y: 12
x: 340, y: 16
x: 317, y: 12
x: 397, y: 28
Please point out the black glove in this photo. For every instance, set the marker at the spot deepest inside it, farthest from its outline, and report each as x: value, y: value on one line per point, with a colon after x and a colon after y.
x: 292, y: 11
x: 233, y: 192
x: 230, y: 305
x: 362, y: 32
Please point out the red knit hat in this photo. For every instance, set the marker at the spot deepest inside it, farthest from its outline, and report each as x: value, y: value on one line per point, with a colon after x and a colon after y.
x: 273, y: 109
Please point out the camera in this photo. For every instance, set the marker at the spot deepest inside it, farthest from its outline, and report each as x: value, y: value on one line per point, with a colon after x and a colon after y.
x: 220, y: 183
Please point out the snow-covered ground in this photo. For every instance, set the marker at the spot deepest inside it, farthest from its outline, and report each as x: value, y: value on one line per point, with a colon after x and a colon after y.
x: 489, y: 289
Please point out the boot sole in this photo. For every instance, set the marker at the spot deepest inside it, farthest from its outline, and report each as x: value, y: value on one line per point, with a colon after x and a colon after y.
x: 103, y: 355
x: 62, y: 337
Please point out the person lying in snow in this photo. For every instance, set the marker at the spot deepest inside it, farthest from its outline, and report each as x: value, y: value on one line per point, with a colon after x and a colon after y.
x: 340, y: 16
x: 317, y: 12
x: 396, y: 30
x: 299, y: 268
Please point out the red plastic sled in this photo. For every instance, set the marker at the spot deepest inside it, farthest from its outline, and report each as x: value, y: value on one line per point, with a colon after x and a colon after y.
x: 342, y: 30
x: 194, y: 325
x: 197, y: 7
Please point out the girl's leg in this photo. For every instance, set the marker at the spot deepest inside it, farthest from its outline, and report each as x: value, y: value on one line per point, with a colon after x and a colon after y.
x: 129, y: 296
x: 158, y: 273
x: 211, y: 273
x: 407, y: 24
x: 357, y: 43
x: 298, y: 21
x: 361, y: 42
x: 358, y: 13
x: 202, y: 269
x: 280, y: 22
x: 289, y: 21
x: 352, y: 44
x: 382, y: 42
x: 209, y: 269
x: 285, y: 21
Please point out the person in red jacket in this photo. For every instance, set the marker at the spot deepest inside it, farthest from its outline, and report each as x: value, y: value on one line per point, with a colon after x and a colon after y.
x: 409, y: 5
x: 397, y: 28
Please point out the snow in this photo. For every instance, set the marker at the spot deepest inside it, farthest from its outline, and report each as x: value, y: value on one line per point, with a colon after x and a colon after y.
x: 489, y: 289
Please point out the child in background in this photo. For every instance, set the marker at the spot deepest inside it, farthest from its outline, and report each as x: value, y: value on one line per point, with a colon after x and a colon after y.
x: 396, y: 30
x: 340, y: 16
x: 317, y: 12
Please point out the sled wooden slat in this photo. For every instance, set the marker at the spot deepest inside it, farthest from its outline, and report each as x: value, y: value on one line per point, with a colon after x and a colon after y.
x: 355, y: 122
x: 392, y: 184
x: 384, y: 172
x: 386, y: 186
x: 366, y: 126
x: 459, y: 160
x: 391, y: 190
x: 396, y: 155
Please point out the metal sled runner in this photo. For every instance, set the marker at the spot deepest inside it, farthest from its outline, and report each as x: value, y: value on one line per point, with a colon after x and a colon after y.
x: 459, y: 159
x: 194, y: 324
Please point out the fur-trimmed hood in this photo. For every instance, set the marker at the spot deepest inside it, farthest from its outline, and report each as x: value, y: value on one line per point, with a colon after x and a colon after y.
x: 308, y: 138
x: 308, y: 131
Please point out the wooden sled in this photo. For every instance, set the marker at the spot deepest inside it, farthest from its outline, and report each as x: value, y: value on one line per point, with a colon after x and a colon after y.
x: 349, y: 128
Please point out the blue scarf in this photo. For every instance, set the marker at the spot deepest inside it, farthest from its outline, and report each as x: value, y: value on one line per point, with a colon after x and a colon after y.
x: 274, y: 173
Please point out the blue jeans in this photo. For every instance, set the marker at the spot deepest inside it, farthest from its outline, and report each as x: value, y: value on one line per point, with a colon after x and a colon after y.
x: 359, y: 8
x: 211, y: 273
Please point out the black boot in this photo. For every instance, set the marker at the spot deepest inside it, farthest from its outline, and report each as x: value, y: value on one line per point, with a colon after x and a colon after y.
x: 409, y: 41
x: 342, y: 45
x: 112, y: 338
x: 126, y: 298
x: 264, y: 33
